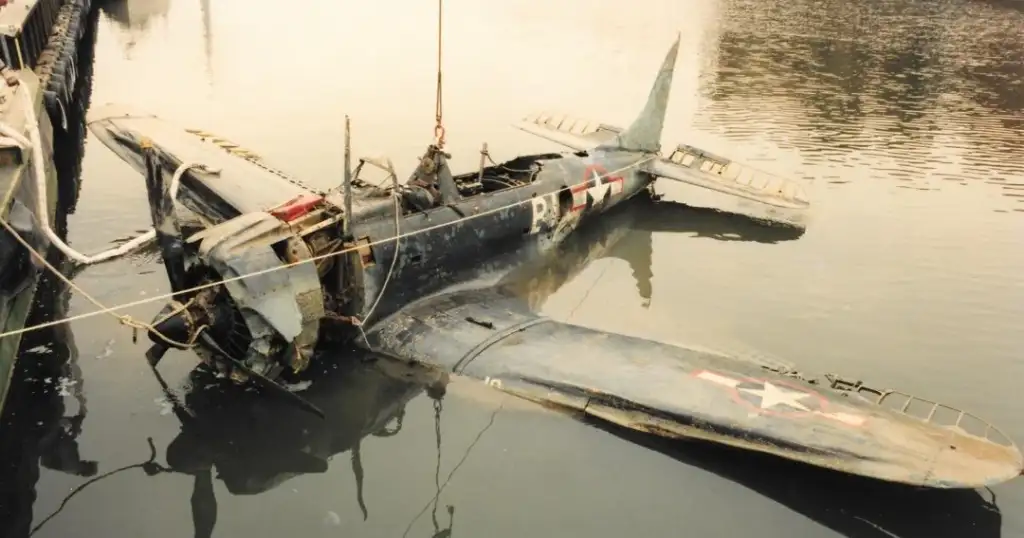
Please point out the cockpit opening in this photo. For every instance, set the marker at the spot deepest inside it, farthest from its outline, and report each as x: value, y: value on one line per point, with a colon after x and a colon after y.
x: 516, y: 172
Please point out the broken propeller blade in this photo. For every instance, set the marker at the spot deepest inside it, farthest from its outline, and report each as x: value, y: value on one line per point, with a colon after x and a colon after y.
x: 155, y: 353
x: 264, y: 381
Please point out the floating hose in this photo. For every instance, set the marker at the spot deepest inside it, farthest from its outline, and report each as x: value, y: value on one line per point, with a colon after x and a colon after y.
x: 34, y: 143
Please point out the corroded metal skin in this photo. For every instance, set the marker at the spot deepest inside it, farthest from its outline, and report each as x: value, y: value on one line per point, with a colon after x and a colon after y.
x: 514, y: 226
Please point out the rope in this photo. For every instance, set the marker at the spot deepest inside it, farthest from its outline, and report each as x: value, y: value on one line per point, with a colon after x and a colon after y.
x: 437, y: 468
x: 587, y: 294
x: 123, y: 319
x: 391, y: 270
x: 438, y: 109
x: 139, y: 241
x: 465, y: 455
x: 128, y: 320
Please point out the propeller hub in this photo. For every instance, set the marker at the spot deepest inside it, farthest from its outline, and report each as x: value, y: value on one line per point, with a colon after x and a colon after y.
x: 173, y: 326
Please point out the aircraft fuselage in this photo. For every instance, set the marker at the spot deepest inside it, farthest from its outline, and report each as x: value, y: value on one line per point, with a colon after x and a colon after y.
x: 486, y: 235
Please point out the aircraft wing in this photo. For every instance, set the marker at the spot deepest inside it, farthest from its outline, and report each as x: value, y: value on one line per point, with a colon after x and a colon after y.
x: 676, y: 392
x: 574, y: 133
x: 688, y: 164
x: 224, y: 194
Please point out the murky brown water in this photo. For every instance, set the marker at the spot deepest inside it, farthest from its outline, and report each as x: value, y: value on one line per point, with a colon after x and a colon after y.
x: 905, y: 119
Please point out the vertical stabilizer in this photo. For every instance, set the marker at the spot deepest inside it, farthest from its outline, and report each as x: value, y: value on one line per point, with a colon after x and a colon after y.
x: 645, y: 132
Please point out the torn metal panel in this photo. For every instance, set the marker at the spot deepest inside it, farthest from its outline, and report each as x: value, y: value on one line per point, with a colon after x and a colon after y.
x: 237, y: 247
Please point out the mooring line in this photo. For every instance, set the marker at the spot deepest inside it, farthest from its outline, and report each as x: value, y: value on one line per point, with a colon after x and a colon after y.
x: 124, y: 319
x: 135, y: 324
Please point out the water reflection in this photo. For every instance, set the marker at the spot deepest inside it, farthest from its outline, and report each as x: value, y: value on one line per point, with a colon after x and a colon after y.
x: 37, y: 430
x: 921, y: 92
x: 257, y: 443
x: 852, y: 506
x: 627, y: 232
x: 136, y: 16
x: 204, y: 7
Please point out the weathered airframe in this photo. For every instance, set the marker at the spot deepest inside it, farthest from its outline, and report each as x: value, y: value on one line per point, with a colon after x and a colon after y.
x: 272, y: 267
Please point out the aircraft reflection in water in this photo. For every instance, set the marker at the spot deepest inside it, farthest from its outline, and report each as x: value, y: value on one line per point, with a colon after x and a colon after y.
x: 256, y: 444
x: 645, y: 216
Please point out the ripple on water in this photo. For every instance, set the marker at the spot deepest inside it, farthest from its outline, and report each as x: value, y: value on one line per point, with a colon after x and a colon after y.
x: 924, y: 93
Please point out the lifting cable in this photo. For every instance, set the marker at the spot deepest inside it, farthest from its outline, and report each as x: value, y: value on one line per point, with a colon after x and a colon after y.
x: 438, y: 108
x: 128, y: 320
x: 124, y: 319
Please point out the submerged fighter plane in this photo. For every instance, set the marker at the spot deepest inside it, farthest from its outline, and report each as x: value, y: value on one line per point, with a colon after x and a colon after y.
x: 267, y: 267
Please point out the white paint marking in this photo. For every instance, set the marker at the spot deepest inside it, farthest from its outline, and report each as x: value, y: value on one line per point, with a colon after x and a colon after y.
x: 846, y: 418
x: 596, y: 192
x: 772, y: 395
x: 545, y: 210
x: 720, y: 379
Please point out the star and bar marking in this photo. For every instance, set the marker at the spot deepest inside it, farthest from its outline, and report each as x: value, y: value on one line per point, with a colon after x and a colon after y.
x: 594, y: 187
x: 778, y: 398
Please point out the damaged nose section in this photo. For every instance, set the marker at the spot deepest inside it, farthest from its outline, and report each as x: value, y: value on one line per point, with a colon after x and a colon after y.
x: 245, y: 290
x: 256, y: 314
x: 262, y: 311
x: 179, y: 325
x: 173, y: 322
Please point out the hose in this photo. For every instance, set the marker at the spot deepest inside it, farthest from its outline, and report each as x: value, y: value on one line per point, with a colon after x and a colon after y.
x: 34, y: 143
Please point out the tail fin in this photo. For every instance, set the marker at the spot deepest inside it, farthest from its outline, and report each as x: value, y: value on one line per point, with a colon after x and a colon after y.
x: 645, y: 132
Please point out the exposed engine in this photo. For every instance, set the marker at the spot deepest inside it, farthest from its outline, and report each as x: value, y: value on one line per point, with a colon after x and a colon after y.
x: 247, y: 327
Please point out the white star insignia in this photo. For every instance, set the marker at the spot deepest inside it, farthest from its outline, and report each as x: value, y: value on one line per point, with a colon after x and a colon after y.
x: 597, y: 185
x: 772, y: 395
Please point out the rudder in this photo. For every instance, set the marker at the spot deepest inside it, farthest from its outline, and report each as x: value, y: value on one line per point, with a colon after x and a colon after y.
x: 644, y: 134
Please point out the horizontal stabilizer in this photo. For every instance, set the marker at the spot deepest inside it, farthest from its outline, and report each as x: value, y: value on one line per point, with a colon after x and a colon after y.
x: 574, y: 133
x: 694, y: 166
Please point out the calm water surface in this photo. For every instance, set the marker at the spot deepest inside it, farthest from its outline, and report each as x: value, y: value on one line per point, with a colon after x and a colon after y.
x: 905, y: 120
